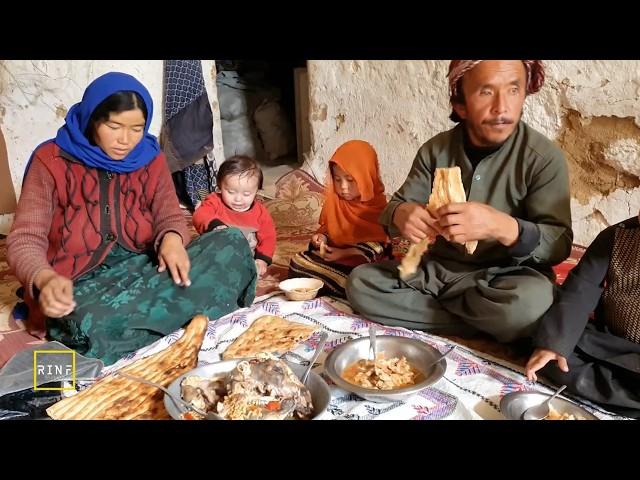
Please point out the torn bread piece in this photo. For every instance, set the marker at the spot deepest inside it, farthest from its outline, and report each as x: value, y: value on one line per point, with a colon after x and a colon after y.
x: 119, y: 398
x: 447, y: 188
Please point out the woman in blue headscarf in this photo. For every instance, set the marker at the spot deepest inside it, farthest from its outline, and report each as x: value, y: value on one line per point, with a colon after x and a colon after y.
x: 99, y: 240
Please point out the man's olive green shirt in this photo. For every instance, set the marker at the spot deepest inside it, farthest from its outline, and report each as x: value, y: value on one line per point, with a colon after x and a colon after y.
x: 526, y: 177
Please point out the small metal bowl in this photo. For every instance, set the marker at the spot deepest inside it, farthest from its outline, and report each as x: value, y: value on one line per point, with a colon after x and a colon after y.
x: 418, y: 354
x: 514, y: 404
x: 320, y: 393
x: 311, y: 288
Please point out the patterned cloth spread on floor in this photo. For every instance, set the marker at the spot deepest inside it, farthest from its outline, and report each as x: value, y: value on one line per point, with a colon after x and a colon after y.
x: 472, y: 386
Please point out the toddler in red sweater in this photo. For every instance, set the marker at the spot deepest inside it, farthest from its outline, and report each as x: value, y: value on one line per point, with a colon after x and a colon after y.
x: 234, y: 204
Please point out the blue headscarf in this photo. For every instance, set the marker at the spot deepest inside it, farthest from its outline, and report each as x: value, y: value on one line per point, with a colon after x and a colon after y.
x: 71, y: 137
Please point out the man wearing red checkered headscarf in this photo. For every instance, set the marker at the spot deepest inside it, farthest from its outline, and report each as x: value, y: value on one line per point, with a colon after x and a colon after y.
x: 517, y: 187
x: 457, y: 69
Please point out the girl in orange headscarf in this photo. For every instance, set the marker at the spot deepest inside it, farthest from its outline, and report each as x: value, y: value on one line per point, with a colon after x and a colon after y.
x: 349, y: 233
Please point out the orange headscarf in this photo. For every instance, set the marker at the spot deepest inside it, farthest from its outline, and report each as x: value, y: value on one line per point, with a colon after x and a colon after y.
x: 351, y: 222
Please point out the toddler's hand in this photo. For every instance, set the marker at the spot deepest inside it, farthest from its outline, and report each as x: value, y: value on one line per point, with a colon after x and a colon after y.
x: 261, y: 266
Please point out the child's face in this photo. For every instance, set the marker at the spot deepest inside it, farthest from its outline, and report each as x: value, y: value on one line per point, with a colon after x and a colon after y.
x: 239, y: 191
x: 344, y: 184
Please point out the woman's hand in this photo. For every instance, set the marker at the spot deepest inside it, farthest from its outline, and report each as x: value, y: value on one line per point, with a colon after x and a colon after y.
x: 173, y: 255
x: 56, y: 294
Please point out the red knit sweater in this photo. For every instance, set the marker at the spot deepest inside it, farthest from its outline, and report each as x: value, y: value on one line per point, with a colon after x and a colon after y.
x: 70, y: 216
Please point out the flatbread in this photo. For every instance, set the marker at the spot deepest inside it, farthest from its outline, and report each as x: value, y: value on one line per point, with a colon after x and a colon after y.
x: 119, y: 398
x: 447, y: 188
x: 409, y: 263
x: 269, y: 334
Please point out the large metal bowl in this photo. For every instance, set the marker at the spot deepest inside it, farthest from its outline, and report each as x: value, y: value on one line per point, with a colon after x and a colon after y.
x: 514, y: 404
x: 418, y: 354
x: 320, y: 393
